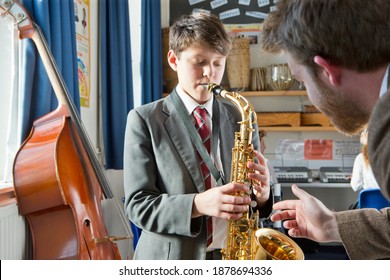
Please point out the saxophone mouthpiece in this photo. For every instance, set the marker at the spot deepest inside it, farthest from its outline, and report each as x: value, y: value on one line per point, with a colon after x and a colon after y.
x: 214, y: 88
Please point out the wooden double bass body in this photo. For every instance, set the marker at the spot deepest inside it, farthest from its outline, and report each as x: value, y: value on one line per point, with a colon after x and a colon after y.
x: 58, y: 180
x: 59, y: 194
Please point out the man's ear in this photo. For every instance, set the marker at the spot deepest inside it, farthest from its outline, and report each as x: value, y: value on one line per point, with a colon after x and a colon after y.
x: 332, y: 72
x: 172, y: 60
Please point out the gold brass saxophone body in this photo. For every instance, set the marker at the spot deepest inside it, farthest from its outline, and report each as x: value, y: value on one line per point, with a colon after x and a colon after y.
x: 245, y: 241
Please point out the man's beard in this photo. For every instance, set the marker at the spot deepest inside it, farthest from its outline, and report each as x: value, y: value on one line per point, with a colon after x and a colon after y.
x: 345, y: 114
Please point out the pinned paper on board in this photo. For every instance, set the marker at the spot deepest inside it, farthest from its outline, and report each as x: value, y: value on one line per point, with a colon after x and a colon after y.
x: 218, y: 3
x: 244, y: 2
x: 230, y: 12
x: 258, y: 15
x: 194, y: 2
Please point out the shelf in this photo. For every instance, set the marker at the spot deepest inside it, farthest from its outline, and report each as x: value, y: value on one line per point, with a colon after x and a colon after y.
x: 297, y: 128
x: 273, y: 93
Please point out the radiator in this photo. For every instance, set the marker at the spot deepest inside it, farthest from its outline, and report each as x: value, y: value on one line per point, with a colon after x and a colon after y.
x: 13, y: 234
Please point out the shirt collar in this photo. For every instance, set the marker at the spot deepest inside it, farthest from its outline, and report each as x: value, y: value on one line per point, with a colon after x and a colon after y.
x: 191, y: 104
x: 385, y: 84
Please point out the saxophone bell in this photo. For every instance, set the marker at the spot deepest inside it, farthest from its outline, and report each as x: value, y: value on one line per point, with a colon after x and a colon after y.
x: 274, y: 245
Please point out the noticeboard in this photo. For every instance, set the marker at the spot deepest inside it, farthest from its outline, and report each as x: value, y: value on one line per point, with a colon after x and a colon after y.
x: 229, y: 11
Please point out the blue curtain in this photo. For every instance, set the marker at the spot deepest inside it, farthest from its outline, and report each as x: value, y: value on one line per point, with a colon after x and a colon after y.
x: 151, y: 44
x: 56, y: 19
x: 116, y: 77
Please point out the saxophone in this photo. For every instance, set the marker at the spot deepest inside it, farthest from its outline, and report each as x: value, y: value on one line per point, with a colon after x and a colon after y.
x: 245, y: 241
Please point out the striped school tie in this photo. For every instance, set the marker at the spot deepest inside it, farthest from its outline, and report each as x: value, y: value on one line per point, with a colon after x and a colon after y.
x: 200, y: 115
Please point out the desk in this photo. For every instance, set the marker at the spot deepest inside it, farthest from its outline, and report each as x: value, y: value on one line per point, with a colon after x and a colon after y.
x: 335, y: 196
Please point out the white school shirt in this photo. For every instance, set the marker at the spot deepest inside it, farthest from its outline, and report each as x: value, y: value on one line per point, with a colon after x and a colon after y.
x: 362, y: 176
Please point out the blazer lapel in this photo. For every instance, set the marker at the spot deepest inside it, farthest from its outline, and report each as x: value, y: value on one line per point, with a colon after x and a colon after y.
x: 182, y: 142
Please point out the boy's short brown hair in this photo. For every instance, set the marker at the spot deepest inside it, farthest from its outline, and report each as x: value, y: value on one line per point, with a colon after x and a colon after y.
x: 199, y: 29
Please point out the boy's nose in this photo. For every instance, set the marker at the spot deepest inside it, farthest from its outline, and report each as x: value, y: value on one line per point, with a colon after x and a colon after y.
x: 208, y: 71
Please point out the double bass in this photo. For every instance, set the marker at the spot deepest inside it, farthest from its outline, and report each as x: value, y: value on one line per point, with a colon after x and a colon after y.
x: 59, y: 183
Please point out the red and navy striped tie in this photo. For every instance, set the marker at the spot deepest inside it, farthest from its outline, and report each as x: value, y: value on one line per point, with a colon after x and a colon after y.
x: 200, y: 115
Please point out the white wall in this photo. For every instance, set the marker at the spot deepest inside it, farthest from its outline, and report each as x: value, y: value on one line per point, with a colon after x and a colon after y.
x: 164, y: 13
x: 6, y: 83
x: 135, y: 30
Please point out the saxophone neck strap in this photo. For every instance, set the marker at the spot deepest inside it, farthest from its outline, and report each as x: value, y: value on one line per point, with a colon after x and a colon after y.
x: 195, y: 137
x: 388, y: 77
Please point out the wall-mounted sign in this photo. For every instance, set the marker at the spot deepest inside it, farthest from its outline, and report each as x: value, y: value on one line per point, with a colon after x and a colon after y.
x: 81, y: 12
x: 230, y: 12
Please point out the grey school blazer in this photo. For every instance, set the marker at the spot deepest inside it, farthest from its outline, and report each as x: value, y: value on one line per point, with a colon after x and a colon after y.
x: 162, y: 176
x: 365, y: 233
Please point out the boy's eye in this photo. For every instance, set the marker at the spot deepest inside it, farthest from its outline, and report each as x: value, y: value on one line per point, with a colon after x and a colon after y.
x: 199, y: 62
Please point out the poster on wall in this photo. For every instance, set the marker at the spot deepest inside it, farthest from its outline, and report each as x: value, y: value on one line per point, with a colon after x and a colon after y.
x: 331, y: 149
x: 81, y: 11
x: 318, y: 149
